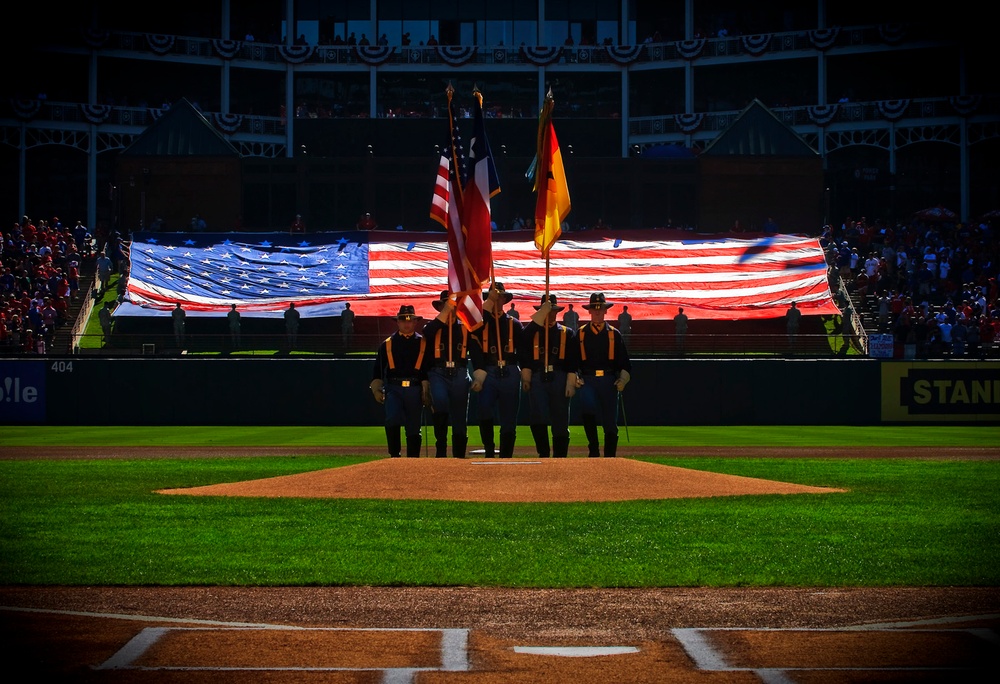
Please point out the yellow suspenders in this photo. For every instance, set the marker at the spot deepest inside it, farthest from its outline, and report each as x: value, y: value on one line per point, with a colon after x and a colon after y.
x: 437, y: 343
x: 562, y: 344
x: 392, y: 361
x: 611, y: 343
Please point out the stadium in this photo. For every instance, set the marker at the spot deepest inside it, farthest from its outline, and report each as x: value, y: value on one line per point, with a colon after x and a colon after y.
x: 816, y: 507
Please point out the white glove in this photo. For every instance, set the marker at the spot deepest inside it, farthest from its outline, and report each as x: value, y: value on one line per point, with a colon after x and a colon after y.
x: 378, y: 391
x: 541, y: 317
x: 478, y: 378
x: 571, y: 379
x: 425, y: 392
x: 447, y: 309
x: 492, y: 297
x: 623, y: 378
x: 526, y: 379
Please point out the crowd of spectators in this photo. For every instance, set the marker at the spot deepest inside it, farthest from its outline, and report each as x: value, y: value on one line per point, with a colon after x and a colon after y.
x: 40, y: 264
x: 931, y: 285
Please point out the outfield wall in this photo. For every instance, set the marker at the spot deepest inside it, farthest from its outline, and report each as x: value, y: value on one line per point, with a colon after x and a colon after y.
x: 301, y: 391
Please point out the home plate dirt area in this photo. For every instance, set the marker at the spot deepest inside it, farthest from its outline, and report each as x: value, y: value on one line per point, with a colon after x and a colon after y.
x: 397, y: 635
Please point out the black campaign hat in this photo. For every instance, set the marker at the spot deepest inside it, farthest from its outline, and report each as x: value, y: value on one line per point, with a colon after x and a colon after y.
x: 552, y: 298
x: 504, y: 295
x: 439, y: 303
x: 406, y: 313
x: 598, y: 301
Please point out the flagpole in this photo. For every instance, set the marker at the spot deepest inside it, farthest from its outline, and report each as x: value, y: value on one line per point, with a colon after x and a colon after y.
x: 546, y: 321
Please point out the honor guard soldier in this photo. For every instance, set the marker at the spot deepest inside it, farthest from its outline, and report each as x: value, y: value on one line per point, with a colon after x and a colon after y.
x: 605, y: 369
x: 448, y: 352
x: 497, y: 374
x: 549, y: 360
x: 399, y: 381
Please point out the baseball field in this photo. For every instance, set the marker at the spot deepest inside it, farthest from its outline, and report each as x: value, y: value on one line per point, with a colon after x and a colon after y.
x: 148, y: 554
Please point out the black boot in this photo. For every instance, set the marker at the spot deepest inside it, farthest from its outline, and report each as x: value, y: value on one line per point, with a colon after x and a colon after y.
x: 441, y: 435
x: 393, y: 441
x: 507, y: 445
x: 458, y: 444
x: 541, y: 436
x: 590, y: 429
x: 486, y: 434
x: 610, y: 445
x: 560, y: 446
x: 413, y: 446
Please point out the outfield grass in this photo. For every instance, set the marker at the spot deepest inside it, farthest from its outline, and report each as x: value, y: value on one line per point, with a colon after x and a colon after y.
x: 901, y: 522
x: 338, y: 437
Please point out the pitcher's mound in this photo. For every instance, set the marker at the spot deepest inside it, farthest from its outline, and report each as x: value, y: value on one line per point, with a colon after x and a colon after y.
x: 504, y: 480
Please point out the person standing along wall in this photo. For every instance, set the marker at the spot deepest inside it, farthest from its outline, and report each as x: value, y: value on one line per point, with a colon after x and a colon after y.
x: 625, y: 323
x: 292, y: 317
x: 347, y: 325
x: 680, y: 329
x: 792, y: 319
x: 178, y: 315
x: 234, y: 326
x: 106, y: 318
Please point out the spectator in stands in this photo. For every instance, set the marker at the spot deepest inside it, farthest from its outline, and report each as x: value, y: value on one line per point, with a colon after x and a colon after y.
x: 366, y: 222
x: 920, y: 332
x: 973, y: 338
x: 73, y: 277
x: 80, y: 236
x: 298, y: 225
x: 103, y: 271
x: 959, y: 337
x: 944, y: 328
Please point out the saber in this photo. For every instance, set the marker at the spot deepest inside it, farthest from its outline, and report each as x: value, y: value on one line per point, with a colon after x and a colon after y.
x: 621, y: 404
x: 423, y: 421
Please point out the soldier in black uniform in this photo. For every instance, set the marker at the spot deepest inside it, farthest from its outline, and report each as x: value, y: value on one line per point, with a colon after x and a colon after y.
x: 497, y: 374
x: 605, y: 369
x: 399, y: 381
x: 448, y: 349
x: 549, y: 360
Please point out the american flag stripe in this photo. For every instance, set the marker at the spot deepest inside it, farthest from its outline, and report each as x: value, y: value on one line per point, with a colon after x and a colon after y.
x: 440, y: 202
x: 717, y: 279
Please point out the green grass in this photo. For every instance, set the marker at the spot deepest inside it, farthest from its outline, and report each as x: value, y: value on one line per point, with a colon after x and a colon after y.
x: 100, y: 522
x: 667, y: 437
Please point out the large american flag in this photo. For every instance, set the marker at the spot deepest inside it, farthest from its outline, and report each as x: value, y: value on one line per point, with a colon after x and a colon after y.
x: 712, y: 278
